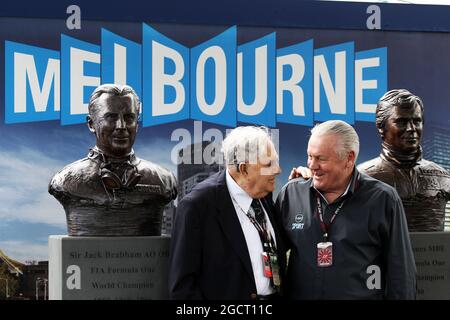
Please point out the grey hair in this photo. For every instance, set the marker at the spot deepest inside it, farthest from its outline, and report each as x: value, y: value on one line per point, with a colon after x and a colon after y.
x: 347, y: 136
x: 114, y: 89
x: 245, y: 145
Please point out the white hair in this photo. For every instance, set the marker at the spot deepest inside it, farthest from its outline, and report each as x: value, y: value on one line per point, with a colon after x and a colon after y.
x: 245, y: 145
x: 347, y: 137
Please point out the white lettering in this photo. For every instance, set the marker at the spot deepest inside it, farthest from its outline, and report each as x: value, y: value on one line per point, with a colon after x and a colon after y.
x: 260, y: 83
x: 24, y: 66
x: 161, y: 79
x: 361, y: 84
x: 336, y: 97
x: 374, y: 281
x: 218, y: 55
x: 74, y: 20
x: 74, y: 280
x: 297, y: 64
x: 78, y: 80
x: 374, y: 21
x: 120, y: 64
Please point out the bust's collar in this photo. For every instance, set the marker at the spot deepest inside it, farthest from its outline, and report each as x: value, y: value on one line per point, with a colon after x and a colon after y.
x: 96, y: 154
x: 398, y: 159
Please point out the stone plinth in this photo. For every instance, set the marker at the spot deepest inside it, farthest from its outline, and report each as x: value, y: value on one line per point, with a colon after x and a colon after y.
x: 432, y: 254
x: 108, y: 268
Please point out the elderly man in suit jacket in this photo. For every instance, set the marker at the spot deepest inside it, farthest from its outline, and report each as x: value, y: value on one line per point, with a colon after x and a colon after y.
x: 225, y: 242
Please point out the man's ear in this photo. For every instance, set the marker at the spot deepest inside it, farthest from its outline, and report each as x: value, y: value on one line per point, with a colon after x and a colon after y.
x: 90, y: 124
x: 243, y: 168
x: 380, y: 132
x: 351, y: 158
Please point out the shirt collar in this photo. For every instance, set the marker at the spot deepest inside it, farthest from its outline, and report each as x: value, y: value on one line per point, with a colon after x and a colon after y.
x: 350, y: 190
x: 97, y: 154
x: 237, y: 193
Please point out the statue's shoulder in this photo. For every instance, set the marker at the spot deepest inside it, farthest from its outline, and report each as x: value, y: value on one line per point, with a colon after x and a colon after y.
x: 79, y: 173
x: 379, y: 169
x: 153, y: 171
x: 154, y: 174
x: 371, y: 166
x: 430, y: 166
x: 436, y: 173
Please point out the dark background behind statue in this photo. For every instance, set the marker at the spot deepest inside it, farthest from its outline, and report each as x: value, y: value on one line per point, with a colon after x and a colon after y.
x: 112, y: 192
x: 423, y: 185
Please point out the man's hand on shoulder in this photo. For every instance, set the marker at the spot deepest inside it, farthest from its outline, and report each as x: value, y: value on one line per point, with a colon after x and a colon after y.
x: 300, y: 172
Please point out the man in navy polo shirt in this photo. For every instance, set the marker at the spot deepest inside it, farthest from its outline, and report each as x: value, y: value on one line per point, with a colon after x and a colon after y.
x: 347, y: 231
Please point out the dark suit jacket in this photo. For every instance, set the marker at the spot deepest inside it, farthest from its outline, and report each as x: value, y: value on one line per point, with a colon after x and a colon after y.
x: 209, y: 257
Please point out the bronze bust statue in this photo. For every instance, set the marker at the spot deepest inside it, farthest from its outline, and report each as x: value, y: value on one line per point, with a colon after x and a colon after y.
x: 112, y: 192
x: 423, y: 186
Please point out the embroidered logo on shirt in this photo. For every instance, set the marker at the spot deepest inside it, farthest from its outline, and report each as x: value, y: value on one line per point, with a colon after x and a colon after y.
x: 298, y: 224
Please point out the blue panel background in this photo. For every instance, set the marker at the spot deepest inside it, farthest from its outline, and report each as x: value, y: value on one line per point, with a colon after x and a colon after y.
x: 227, y: 117
x: 304, y: 49
x: 149, y: 35
x: 380, y: 74
x: 92, y: 69
x: 133, y: 60
x: 329, y: 55
x: 268, y: 116
x: 41, y: 57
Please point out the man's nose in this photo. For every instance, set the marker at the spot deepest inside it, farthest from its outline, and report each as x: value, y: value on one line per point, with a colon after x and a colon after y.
x: 312, y: 164
x: 410, y: 126
x: 276, y: 169
x: 120, y: 123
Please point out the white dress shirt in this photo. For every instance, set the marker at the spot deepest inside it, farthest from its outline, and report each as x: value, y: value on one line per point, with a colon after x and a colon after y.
x: 242, y: 202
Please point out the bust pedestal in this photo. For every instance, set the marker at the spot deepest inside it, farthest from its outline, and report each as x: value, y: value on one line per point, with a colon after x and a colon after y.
x: 108, y: 268
x: 432, y: 255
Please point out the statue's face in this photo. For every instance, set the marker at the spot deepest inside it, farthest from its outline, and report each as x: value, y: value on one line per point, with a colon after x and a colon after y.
x: 115, y: 124
x: 403, y: 129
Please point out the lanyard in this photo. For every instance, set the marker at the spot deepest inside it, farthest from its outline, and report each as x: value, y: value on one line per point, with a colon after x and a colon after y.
x: 264, y: 234
x: 324, y: 226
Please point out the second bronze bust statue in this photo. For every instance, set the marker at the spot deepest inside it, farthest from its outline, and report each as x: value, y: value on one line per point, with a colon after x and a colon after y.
x: 423, y: 185
x: 111, y: 192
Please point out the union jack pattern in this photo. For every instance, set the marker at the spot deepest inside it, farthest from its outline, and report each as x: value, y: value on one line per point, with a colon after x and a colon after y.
x: 324, y: 255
